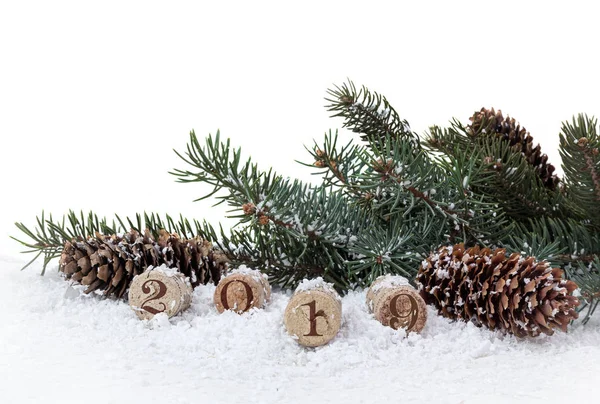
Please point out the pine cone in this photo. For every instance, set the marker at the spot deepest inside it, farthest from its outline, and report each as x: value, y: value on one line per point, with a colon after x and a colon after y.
x: 487, y: 122
x: 514, y: 294
x: 109, y: 263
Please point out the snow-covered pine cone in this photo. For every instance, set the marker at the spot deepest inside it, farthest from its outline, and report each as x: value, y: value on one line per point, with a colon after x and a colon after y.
x: 512, y: 293
x: 109, y: 263
x: 488, y: 121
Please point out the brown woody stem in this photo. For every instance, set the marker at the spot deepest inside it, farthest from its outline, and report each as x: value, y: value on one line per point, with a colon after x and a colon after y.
x: 592, y: 169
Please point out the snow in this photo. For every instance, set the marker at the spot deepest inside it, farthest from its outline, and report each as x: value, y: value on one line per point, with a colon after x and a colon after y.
x: 309, y: 284
x: 387, y: 281
x: 59, y: 346
x: 244, y: 270
x: 164, y: 269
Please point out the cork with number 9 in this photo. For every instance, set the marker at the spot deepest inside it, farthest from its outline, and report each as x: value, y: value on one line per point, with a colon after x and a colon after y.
x: 395, y: 303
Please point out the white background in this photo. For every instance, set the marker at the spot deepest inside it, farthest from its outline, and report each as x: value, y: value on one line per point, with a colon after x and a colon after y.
x: 95, y: 95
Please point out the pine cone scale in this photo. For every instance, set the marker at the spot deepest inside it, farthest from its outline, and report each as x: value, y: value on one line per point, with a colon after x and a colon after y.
x: 104, y: 273
x: 94, y: 285
x: 129, y: 266
x: 70, y: 268
x: 95, y: 258
x: 84, y: 264
x: 90, y: 278
x: 546, y: 309
x: 118, y: 277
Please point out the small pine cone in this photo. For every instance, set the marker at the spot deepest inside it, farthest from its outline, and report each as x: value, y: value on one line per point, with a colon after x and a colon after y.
x: 515, y: 294
x: 487, y: 122
x: 109, y: 263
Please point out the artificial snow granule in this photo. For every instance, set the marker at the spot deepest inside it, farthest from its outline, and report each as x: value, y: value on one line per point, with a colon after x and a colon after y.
x: 308, y: 284
x: 164, y: 269
x: 442, y: 274
x: 388, y: 281
x: 245, y: 270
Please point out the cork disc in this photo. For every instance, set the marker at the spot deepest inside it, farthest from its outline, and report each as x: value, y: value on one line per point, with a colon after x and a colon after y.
x: 240, y: 292
x: 384, y: 281
x: 264, y: 279
x: 187, y: 290
x: 154, y: 292
x: 400, y: 307
x: 313, y: 317
x: 374, y: 286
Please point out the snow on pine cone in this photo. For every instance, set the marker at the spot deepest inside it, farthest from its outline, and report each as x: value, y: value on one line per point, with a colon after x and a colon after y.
x: 510, y: 293
x: 109, y: 263
x: 487, y: 122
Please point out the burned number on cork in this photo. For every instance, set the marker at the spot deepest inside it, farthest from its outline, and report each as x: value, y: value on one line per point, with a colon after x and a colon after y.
x: 407, y: 318
x: 162, y: 290
x: 249, y: 295
x: 312, y: 318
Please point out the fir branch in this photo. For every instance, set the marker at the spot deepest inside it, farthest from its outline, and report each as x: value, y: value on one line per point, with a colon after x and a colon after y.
x: 220, y: 166
x: 447, y: 141
x: 339, y: 167
x: 507, y: 175
x: 560, y: 241
x: 48, y: 238
x: 282, y: 218
x: 292, y: 230
x: 397, y: 247
x: 368, y: 113
x: 591, y: 167
x: 538, y: 245
x: 392, y: 179
x: 579, y: 149
x: 363, y: 175
x: 587, y: 277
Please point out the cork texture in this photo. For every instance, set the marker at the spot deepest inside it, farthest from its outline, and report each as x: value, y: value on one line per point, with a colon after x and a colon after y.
x: 313, y: 317
x: 154, y: 292
x: 385, y: 281
x: 242, y: 291
x: 267, y: 287
x: 397, y: 306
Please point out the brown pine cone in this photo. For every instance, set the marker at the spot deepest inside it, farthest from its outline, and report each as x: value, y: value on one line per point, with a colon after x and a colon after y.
x: 109, y: 263
x: 488, y: 122
x: 515, y: 294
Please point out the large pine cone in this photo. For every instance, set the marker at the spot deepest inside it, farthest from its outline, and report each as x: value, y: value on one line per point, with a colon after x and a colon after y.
x: 514, y: 294
x: 487, y: 122
x: 109, y: 263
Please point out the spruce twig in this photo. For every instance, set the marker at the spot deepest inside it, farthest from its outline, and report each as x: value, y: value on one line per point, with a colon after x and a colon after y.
x: 48, y: 238
x: 368, y: 113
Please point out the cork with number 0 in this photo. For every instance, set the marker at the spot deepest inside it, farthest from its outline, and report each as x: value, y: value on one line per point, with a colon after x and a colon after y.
x: 241, y: 290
